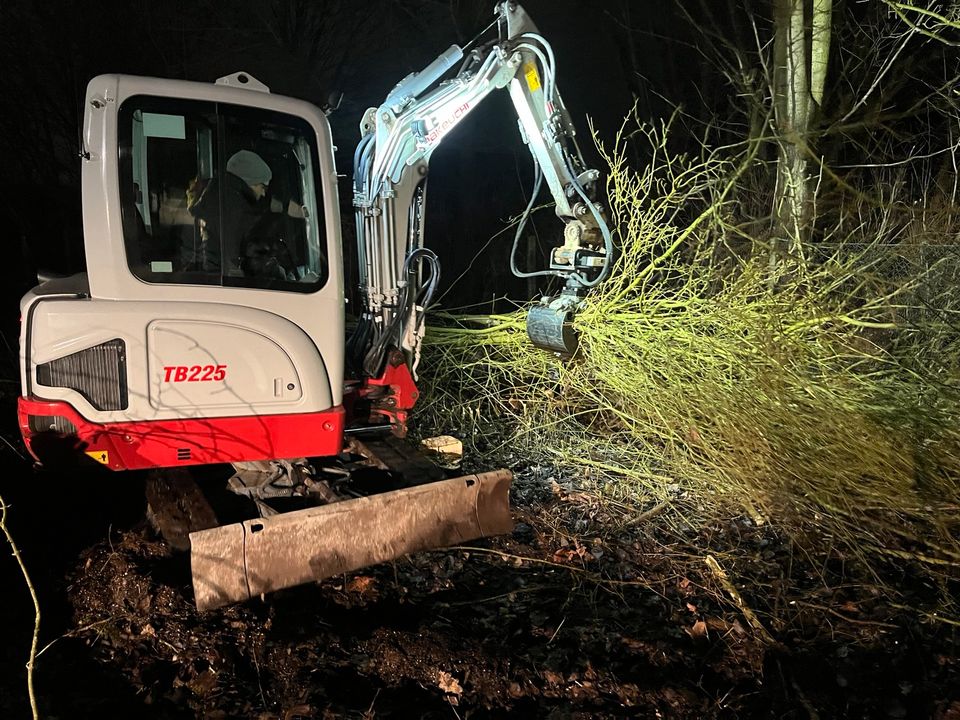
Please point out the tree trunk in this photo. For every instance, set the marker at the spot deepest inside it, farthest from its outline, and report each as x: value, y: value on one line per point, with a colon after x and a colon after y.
x: 820, y: 47
x: 792, y: 104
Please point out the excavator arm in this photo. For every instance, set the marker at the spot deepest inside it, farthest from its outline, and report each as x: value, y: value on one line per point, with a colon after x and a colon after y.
x: 392, y: 160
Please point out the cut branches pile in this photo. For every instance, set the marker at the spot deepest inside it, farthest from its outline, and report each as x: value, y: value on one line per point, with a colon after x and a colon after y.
x: 820, y: 393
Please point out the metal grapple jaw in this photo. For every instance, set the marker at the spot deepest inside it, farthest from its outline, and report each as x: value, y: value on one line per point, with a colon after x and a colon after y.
x: 550, y: 324
x: 583, y: 260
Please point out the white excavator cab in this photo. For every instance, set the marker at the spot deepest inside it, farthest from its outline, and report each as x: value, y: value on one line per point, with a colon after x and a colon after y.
x: 209, y: 326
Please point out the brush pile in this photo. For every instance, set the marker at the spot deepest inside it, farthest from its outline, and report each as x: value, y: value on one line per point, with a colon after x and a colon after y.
x: 818, y: 393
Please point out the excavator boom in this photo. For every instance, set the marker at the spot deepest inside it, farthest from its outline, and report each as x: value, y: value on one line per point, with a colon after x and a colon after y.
x: 391, y: 166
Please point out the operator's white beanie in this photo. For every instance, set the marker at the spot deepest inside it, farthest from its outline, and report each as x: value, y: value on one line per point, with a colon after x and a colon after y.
x: 250, y: 167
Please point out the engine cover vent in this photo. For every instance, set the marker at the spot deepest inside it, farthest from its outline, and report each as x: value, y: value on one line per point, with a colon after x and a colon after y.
x: 98, y: 373
x: 51, y: 423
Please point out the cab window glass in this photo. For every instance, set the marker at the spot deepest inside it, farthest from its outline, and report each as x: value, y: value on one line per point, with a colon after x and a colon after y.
x: 217, y: 194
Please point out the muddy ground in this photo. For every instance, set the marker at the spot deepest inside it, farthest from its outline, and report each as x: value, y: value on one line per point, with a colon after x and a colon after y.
x: 581, y: 613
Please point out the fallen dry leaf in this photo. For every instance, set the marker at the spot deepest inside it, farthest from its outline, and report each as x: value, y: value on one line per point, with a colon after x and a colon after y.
x: 568, y: 554
x: 552, y: 678
x: 360, y: 584
x: 298, y: 711
x: 449, y: 684
x: 204, y: 684
x: 698, y: 631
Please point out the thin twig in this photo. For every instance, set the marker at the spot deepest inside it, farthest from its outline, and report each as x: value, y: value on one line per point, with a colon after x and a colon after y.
x: 14, y: 448
x: 593, y: 577
x: 256, y: 666
x: 928, y: 615
x: 854, y: 621
x: 80, y: 630
x: 557, y: 630
x: 732, y: 591
x: 31, y: 659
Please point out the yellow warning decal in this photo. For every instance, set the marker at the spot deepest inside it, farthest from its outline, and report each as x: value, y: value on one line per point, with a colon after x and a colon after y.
x: 532, y: 76
x: 101, y: 456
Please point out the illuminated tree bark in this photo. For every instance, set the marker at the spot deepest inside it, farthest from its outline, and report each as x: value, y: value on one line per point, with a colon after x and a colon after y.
x: 820, y: 47
x: 800, y: 72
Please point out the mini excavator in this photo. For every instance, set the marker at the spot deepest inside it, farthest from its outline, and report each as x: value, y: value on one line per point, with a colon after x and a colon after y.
x: 220, y: 337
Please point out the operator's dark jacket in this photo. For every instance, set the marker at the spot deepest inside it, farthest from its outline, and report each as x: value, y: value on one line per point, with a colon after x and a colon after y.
x: 231, y: 215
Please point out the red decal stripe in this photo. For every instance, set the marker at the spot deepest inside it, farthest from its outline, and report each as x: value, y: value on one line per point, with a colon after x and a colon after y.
x: 170, y: 443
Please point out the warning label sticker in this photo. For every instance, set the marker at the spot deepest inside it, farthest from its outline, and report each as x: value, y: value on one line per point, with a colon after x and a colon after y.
x: 532, y: 76
x: 101, y: 456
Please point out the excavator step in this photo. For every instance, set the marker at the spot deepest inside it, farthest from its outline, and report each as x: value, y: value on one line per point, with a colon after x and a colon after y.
x: 398, y: 456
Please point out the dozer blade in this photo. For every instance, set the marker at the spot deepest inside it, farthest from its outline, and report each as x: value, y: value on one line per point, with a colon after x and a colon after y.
x: 235, y: 562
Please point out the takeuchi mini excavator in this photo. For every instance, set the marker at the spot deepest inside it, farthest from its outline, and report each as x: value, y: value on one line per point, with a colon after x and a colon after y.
x: 209, y: 327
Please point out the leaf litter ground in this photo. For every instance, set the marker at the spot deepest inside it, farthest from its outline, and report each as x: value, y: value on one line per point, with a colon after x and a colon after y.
x: 578, y: 614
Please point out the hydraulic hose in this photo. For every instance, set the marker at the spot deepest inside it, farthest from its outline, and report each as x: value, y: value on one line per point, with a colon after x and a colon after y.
x: 601, y: 223
x: 537, y: 183
x: 358, y: 173
x: 374, y: 357
x: 604, y: 230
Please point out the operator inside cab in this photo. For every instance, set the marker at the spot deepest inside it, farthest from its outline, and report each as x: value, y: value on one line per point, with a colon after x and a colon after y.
x: 216, y: 194
x: 237, y: 213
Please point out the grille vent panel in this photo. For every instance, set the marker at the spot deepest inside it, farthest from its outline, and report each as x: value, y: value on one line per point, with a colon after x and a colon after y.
x: 98, y: 373
x: 48, y: 423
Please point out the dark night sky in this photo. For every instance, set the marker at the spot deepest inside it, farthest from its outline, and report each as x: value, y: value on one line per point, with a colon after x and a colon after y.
x: 478, y: 178
x: 610, y: 53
